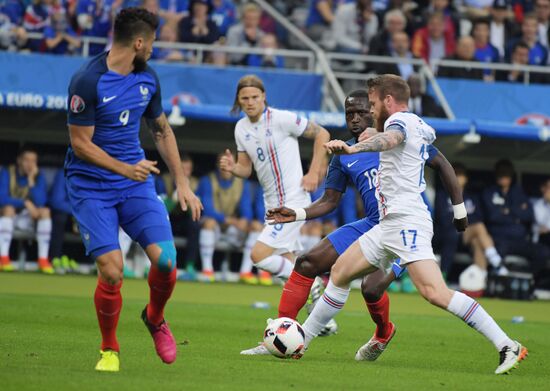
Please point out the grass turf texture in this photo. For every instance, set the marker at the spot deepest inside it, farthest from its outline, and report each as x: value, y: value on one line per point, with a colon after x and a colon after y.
x: 49, y: 340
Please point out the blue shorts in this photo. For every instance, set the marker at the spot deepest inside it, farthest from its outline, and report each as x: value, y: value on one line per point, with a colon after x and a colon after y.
x: 138, y: 210
x: 344, y: 237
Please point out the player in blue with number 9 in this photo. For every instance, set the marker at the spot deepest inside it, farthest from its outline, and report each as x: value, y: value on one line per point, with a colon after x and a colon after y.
x: 109, y: 179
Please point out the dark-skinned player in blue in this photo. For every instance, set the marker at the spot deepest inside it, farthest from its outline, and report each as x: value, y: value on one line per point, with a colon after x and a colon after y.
x: 109, y: 180
x: 361, y: 170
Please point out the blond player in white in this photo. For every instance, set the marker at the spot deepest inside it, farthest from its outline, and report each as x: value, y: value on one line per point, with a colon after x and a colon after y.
x: 405, y: 230
x: 267, y: 139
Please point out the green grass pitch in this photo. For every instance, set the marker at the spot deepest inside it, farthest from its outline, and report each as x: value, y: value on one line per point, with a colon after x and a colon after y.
x: 49, y: 341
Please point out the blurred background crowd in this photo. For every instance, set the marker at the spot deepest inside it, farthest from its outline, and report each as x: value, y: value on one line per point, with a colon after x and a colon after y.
x: 494, y: 31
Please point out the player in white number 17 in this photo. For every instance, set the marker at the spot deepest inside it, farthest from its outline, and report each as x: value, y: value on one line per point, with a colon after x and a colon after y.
x: 406, y: 229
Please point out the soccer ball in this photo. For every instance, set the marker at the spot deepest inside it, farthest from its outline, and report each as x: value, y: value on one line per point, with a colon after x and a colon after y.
x: 284, y: 337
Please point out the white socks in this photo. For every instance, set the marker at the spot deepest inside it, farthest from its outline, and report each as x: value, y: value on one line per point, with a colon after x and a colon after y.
x: 43, y: 235
x: 6, y: 233
x: 125, y: 243
x: 277, y: 265
x: 471, y: 312
x: 493, y: 257
x: 207, y: 242
x: 246, y: 263
x: 330, y: 304
x: 308, y: 241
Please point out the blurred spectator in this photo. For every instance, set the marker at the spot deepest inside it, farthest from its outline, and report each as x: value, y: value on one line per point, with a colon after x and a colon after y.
x: 450, y: 16
x: 36, y: 19
x: 542, y: 10
x: 14, y: 9
x: 502, y: 27
x: 541, y: 208
x: 476, y: 237
x: 23, y: 197
x: 433, y: 42
x: 227, y: 208
x: 247, y: 33
x: 182, y: 223
x: 401, y: 49
x: 95, y: 19
x: 12, y: 36
x: 224, y: 14
x: 320, y: 17
x: 172, y: 11
x: 508, y: 213
x: 484, y: 50
x: 520, y: 58
x: 198, y: 27
x: 538, y: 54
x: 354, y: 26
x: 61, y: 212
x: 268, y: 59
x: 465, y: 51
x: 381, y: 43
x: 60, y: 37
x: 421, y: 103
x: 168, y: 33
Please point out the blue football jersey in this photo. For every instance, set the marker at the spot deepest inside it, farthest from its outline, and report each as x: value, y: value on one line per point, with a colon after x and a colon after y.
x: 361, y: 169
x: 113, y: 104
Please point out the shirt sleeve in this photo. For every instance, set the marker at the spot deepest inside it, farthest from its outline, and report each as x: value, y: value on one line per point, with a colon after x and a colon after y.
x: 5, y: 197
x: 336, y: 178
x: 432, y: 153
x: 208, y: 201
x: 39, y: 193
x: 238, y: 140
x: 154, y: 109
x: 396, y: 124
x: 82, y: 100
x: 292, y: 123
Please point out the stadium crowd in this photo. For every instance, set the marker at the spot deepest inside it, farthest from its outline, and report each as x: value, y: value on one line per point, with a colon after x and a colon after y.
x: 503, y: 221
x: 493, y: 31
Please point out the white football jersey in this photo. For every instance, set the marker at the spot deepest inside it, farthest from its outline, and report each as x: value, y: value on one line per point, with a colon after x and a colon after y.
x: 401, y: 173
x: 272, y: 144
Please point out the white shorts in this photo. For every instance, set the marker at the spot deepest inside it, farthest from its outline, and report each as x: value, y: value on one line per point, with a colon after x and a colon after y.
x: 284, y: 238
x: 398, y: 236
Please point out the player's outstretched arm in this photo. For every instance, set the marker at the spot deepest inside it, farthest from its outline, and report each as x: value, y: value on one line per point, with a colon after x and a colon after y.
x: 241, y: 168
x: 167, y: 146
x: 319, y: 162
x: 324, y: 205
x: 385, y: 141
x: 85, y: 149
x: 447, y: 174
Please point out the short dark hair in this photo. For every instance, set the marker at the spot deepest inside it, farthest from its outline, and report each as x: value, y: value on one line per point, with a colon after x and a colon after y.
x: 359, y: 94
x: 504, y: 168
x: 132, y: 22
x: 26, y: 149
x: 390, y: 85
x: 478, y: 21
x: 520, y: 44
x: 185, y: 157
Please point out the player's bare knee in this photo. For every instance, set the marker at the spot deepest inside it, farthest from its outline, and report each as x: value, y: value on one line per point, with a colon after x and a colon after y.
x: 209, y: 224
x: 371, y: 293
x: 306, y: 267
x: 8, y: 211
x: 112, y: 274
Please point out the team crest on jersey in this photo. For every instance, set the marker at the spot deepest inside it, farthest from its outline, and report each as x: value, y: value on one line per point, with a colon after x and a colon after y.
x: 298, y: 120
x: 77, y: 104
x: 247, y: 137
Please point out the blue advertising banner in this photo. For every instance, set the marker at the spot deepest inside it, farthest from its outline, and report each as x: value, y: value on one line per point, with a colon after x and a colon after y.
x: 40, y: 81
x: 499, y: 101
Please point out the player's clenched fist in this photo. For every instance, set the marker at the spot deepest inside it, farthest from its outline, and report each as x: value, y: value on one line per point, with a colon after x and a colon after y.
x: 367, y: 133
x: 280, y: 215
x: 227, y: 161
x: 141, y: 170
x: 337, y: 147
